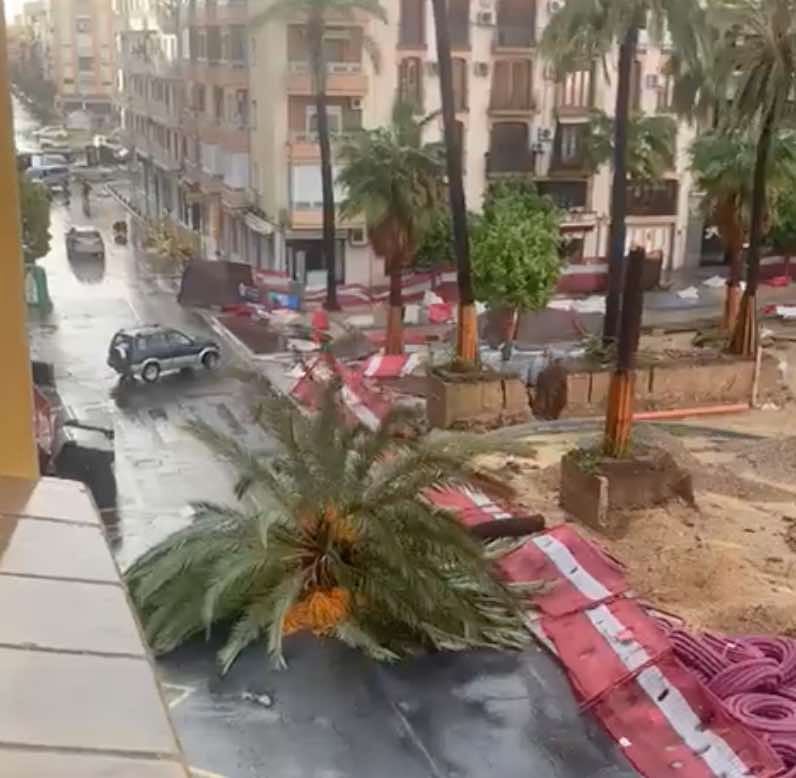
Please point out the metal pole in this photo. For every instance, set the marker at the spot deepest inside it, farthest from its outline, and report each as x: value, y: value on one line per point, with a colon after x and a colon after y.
x: 18, y: 455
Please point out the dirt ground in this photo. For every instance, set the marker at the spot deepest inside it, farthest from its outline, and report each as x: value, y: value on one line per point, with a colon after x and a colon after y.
x: 730, y: 563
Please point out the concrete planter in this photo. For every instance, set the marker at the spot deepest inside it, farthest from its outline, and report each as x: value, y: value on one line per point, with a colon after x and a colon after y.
x: 477, y: 400
x: 600, y: 491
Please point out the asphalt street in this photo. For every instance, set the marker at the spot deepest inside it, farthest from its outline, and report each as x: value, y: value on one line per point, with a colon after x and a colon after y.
x: 332, y: 714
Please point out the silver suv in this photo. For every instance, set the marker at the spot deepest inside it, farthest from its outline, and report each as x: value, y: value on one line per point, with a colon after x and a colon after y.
x: 148, y: 352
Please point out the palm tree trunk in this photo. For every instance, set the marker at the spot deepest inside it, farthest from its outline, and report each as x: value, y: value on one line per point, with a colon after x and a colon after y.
x: 619, y: 414
x: 744, y: 338
x: 395, y: 329
x: 616, y: 233
x: 467, y: 334
x: 315, y: 26
x: 732, y: 297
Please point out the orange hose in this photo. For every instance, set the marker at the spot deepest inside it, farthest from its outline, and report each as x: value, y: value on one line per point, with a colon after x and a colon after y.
x: 679, y: 413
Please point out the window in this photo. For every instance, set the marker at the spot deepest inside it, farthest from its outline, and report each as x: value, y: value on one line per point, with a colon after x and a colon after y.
x: 213, y: 44
x: 85, y: 64
x: 218, y: 103
x: 665, y: 102
x: 569, y: 143
x: 574, y: 91
x: 201, y: 44
x: 636, y: 72
x: 410, y: 82
x: 200, y: 98
x: 335, y: 118
x: 235, y: 49
x: 459, y: 84
x: 178, y: 339
x: 413, y: 23
x: 459, y: 23
x: 511, y: 85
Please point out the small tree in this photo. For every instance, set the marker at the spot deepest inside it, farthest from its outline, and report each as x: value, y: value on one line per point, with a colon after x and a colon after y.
x: 515, y: 254
x: 783, y: 233
x: 34, y: 201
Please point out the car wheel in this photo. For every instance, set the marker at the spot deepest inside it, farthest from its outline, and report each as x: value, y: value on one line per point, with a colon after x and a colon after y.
x: 151, y: 372
x: 210, y: 360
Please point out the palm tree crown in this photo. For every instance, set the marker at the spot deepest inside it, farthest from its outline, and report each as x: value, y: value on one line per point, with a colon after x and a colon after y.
x: 338, y: 540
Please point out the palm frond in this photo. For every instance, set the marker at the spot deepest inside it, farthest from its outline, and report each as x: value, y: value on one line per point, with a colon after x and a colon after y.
x: 341, y: 542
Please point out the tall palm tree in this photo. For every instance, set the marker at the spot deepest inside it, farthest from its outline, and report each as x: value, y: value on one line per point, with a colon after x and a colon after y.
x: 587, y: 31
x: 397, y: 184
x: 339, y: 541
x: 467, y: 331
x: 723, y: 164
x: 651, y: 144
x: 756, y: 70
x: 317, y: 14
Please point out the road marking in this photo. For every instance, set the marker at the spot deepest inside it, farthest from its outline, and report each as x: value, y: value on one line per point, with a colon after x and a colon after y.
x: 184, y: 693
x: 204, y: 773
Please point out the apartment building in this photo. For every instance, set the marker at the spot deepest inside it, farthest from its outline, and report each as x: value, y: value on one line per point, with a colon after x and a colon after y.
x: 82, y: 60
x: 245, y: 162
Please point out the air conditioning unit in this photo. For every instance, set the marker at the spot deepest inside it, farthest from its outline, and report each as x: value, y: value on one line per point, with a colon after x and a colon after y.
x: 651, y: 81
x: 544, y: 133
x: 358, y: 237
x: 355, y: 103
x: 549, y: 73
x: 554, y: 6
x: 481, y: 68
x: 485, y: 17
x: 432, y: 68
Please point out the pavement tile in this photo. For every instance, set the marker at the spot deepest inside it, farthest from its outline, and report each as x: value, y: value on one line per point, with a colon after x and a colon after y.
x: 34, y: 613
x: 49, y: 548
x: 50, y: 498
x: 36, y: 764
x: 78, y: 701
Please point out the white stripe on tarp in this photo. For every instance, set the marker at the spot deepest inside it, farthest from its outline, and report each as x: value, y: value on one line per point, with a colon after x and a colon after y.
x: 482, y: 501
x: 373, y: 366
x: 411, y: 364
x: 360, y: 410
x: 710, y: 747
x: 570, y: 568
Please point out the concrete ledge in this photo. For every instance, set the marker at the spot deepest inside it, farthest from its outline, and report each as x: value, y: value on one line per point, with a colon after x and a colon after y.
x: 79, y: 689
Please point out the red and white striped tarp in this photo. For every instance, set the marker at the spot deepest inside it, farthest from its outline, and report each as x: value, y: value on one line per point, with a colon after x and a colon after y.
x: 619, y: 661
x: 391, y: 366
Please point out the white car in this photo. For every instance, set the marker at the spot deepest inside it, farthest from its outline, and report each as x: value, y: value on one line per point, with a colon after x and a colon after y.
x: 85, y: 241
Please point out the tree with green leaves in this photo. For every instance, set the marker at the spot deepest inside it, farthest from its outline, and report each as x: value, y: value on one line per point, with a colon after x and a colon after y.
x: 34, y: 202
x: 335, y: 539
x: 515, y: 247
x: 651, y: 144
x: 723, y: 163
x: 783, y: 232
x: 396, y: 183
x: 317, y: 14
x: 587, y: 31
x: 755, y: 72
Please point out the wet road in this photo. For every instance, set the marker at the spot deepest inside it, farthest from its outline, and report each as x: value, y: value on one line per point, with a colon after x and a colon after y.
x: 332, y: 714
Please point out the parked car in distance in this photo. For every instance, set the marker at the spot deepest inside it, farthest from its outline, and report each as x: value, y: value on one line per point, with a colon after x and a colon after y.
x: 149, y: 352
x: 52, y: 176
x: 85, y: 241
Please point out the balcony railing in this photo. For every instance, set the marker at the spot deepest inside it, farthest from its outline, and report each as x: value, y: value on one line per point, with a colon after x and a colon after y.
x: 514, y: 37
x: 567, y: 195
x: 653, y: 199
x: 510, y: 160
x: 331, y: 67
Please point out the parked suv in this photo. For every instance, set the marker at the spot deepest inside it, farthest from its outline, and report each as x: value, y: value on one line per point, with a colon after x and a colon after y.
x: 148, y: 352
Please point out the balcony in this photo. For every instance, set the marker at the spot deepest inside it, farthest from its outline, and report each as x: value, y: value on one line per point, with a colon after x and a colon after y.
x: 343, y: 79
x: 511, y: 91
x: 513, y: 37
x: 575, y: 94
x: 234, y: 199
x: 508, y: 161
x: 657, y: 198
x: 567, y: 195
x: 303, y: 146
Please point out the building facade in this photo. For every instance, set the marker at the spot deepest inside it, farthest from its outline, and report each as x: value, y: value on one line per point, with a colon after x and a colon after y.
x: 82, y: 54
x: 235, y: 130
